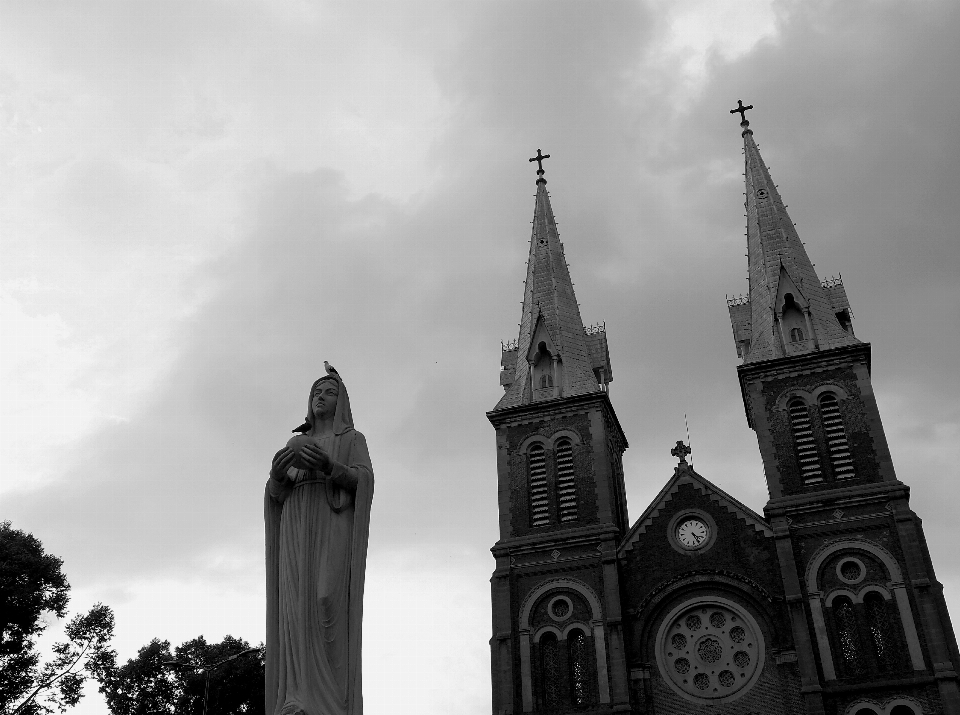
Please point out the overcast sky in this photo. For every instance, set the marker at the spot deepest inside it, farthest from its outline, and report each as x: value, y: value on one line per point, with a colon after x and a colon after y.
x: 202, y: 201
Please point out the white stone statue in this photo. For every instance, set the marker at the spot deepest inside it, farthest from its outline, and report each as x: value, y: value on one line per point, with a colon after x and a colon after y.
x: 317, y: 514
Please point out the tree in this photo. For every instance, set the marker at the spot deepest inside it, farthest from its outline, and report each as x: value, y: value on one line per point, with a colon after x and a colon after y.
x: 87, y: 648
x: 31, y: 586
x: 142, y: 685
x: 158, y: 682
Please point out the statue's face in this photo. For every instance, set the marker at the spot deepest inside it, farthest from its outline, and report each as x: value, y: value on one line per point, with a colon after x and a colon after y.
x: 325, y: 399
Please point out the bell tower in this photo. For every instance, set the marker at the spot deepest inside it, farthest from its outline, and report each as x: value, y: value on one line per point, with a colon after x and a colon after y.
x: 557, y: 640
x: 868, y: 615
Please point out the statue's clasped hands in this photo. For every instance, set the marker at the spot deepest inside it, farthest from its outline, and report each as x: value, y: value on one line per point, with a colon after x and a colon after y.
x: 310, y: 456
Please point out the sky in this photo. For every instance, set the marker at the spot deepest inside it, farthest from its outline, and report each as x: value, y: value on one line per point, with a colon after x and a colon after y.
x: 200, y: 202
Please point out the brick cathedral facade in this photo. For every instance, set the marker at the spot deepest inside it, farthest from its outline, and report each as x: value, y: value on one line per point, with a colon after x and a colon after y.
x: 825, y: 604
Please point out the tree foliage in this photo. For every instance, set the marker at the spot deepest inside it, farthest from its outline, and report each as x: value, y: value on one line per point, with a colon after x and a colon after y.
x: 85, y: 653
x: 31, y: 584
x: 157, y: 681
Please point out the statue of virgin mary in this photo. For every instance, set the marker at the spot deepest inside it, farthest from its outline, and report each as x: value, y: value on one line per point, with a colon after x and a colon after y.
x: 317, y: 514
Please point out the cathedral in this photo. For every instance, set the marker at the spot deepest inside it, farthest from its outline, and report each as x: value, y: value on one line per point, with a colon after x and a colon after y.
x: 825, y: 604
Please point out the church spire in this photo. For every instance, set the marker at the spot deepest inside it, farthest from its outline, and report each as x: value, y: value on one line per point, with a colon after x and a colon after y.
x: 788, y: 311
x: 553, y: 356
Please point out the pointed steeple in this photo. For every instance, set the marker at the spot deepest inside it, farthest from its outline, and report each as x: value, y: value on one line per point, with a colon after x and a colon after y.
x: 788, y: 310
x: 553, y: 356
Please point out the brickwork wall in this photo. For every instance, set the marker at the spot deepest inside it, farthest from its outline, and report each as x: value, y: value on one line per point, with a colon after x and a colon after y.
x: 739, y: 550
x: 855, y: 422
x: 927, y: 696
x: 776, y: 692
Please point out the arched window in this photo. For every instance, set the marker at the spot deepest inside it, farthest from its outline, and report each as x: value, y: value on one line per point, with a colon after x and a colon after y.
x: 882, y: 637
x: 796, y: 335
x: 539, y: 502
x: 551, y: 672
x: 806, y: 445
x: 579, y: 667
x: 546, y: 380
x: 848, y: 636
x: 566, y: 483
x: 841, y: 460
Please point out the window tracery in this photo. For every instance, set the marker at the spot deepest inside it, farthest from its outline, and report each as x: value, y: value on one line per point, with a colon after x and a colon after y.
x: 881, y: 631
x: 579, y: 667
x: 838, y: 449
x: 806, y: 445
x: 566, y: 483
x: 539, y: 499
x: 848, y: 636
x: 551, y: 671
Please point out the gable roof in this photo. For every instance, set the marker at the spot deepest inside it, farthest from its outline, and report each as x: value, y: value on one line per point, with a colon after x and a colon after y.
x: 684, y: 474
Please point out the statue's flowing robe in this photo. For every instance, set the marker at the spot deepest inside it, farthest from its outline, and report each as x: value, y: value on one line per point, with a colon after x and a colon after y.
x: 316, y: 552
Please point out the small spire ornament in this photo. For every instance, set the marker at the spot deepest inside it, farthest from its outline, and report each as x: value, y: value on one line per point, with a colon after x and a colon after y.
x: 680, y: 452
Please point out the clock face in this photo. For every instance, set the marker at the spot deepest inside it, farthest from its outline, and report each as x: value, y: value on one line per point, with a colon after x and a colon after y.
x: 692, y: 533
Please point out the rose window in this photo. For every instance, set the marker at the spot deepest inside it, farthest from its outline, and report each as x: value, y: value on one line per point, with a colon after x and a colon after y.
x: 710, y: 650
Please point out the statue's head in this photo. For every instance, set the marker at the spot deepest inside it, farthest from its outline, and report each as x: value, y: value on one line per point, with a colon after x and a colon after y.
x: 328, y: 398
x: 323, y: 400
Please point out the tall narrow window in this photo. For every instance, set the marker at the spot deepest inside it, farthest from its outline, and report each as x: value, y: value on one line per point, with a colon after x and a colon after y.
x: 566, y: 483
x: 848, y: 639
x: 807, y: 456
x: 551, y: 672
x: 539, y: 502
x: 881, y: 635
x: 579, y: 667
x: 839, y: 450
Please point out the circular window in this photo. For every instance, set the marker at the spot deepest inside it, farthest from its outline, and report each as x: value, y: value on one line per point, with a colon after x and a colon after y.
x: 560, y: 608
x: 851, y: 570
x: 710, y: 650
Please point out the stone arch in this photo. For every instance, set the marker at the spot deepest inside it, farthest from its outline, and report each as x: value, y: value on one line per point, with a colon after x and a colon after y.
x: 828, y: 601
x: 828, y: 550
x: 811, y: 397
x: 896, y: 585
x: 548, y: 629
x: 531, y: 440
x: 560, y: 434
x: 595, y: 628
x: 589, y: 595
x: 872, y: 588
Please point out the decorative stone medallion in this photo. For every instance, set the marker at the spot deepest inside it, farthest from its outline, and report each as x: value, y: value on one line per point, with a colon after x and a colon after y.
x: 710, y: 650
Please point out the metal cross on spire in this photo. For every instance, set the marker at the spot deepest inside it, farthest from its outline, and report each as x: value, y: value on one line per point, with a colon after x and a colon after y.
x: 680, y: 452
x: 539, y: 159
x: 742, y: 111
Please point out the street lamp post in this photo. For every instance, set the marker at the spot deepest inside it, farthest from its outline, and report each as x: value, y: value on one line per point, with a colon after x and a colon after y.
x: 206, y: 668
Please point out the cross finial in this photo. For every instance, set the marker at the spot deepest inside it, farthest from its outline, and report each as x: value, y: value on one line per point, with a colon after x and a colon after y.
x: 680, y: 452
x: 742, y: 111
x: 539, y: 159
